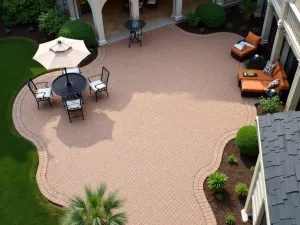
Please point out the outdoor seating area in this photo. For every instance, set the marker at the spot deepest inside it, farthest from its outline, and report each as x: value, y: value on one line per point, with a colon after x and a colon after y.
x: 255, y: 83
x: 65, y: 53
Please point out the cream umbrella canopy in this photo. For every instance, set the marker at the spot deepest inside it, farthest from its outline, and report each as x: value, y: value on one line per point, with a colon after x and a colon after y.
x: 61, y: 53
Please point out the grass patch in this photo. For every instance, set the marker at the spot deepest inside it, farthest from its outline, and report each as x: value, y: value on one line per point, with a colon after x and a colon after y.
x: 21, y: 201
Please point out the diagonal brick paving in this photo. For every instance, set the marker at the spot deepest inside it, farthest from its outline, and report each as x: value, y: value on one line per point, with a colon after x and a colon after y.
x: 173, y: 105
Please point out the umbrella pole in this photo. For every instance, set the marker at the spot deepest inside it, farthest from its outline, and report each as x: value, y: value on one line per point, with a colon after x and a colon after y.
x: 68, y: 82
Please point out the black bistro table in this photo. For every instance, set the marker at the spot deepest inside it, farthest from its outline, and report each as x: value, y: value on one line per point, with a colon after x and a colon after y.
x: 135, y: 27
x: 69, y: 85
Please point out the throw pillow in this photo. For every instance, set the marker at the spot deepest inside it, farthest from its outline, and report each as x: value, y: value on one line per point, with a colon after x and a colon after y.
x: 269, y: 68
x: 273, y: 84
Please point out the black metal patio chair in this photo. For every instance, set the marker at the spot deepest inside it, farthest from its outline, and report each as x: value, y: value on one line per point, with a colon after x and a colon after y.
x: 99, y: 85
x: 73, y: 106
x: 40, y: 94
x: 71, y: 70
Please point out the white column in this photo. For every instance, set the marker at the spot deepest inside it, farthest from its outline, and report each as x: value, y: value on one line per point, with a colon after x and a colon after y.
x: 177, y: 10
x: 267, y: 22
x: 279, y: 38
x: 98, y: 22
x: 247, y: 210
x: 134, y: 9
x: 294, y: 95
x: 219, y: 2
x: 73, y: 9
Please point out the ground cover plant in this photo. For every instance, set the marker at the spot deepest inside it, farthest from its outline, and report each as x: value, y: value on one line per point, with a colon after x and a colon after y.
x: 20, y: 199
x: 270, y: 105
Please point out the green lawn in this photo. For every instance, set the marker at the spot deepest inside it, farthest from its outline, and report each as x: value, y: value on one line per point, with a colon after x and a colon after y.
x: 20, y: 199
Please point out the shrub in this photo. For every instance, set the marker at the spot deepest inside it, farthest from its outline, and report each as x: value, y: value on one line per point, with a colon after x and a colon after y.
x: 230, y: 220
x: 244, y: 28
x: 232, y: 160
x: 78, y: 30
x: 219, y: 196
x: 51, y: 21
x: 252, y: 169
x: 241, y: 189
x: 8, y: 21
x: 270, y: 105
x: 202, y: 30
x: 229, y: 26
x: 256, y: 30
x: 31, y: 29
x: 248, y: 7
x: 217, y: 181
x: 192, y: 19
x: 247, y: 141
x: 26, y: 11
x: 7, y: 31
x: 211, y: 14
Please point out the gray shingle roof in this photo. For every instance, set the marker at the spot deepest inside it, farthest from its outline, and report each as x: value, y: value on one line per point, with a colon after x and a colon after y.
x: 280, y: 139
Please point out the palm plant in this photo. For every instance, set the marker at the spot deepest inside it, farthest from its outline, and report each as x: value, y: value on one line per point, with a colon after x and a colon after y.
x: 248, y: 7
x: 95, y: 209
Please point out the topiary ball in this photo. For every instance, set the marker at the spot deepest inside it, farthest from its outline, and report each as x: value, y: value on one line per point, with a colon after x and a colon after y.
x: 247, y: 141
x: 211, y: 14
x: 79, y: 30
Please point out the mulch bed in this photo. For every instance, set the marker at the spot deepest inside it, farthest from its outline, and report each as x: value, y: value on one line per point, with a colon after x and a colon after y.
x: 231, y: 203
x: 21, y: 30
x: 233, y: 16
x: 90, y: 58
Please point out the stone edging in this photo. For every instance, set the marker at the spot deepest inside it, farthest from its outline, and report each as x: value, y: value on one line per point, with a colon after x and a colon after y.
x: 174, y: 26
x: 44, y: 186
x: 214, y: 164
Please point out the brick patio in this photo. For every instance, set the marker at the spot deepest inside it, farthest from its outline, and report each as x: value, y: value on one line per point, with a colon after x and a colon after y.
x: 173, y: 105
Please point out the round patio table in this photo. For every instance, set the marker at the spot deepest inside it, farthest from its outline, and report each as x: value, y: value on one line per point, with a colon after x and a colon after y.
x: 69, y: 84
x: 135, y: 26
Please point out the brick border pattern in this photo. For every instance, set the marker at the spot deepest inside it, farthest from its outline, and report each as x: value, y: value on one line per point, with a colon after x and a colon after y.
x: 199, y: 177
x: 45, y: 188
x: 214, y: 164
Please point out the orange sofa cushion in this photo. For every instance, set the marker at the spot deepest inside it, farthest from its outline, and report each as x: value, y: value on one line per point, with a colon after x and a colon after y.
x: 253, y: 39
x: 248, y: 50
x: 260, y: 75
x: 254, y: 86
x: 283, y: 85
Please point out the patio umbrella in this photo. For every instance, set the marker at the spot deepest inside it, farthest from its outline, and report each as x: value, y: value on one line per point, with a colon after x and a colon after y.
x: 61, y: 53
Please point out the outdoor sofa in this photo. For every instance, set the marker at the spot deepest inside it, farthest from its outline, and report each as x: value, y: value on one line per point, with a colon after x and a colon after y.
x: 257, y: 86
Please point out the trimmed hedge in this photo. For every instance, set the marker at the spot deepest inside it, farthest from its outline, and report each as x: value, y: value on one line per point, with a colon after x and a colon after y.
x: 211, y: 14
x: 247, y: 141
x: 78, y: 30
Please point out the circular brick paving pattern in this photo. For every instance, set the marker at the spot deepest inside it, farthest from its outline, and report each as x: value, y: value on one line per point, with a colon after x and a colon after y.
x: 173, y: 105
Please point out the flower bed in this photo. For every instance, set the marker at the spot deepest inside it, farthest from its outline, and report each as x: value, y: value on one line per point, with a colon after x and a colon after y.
x: 234, y: 17
x: 231, y: 204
